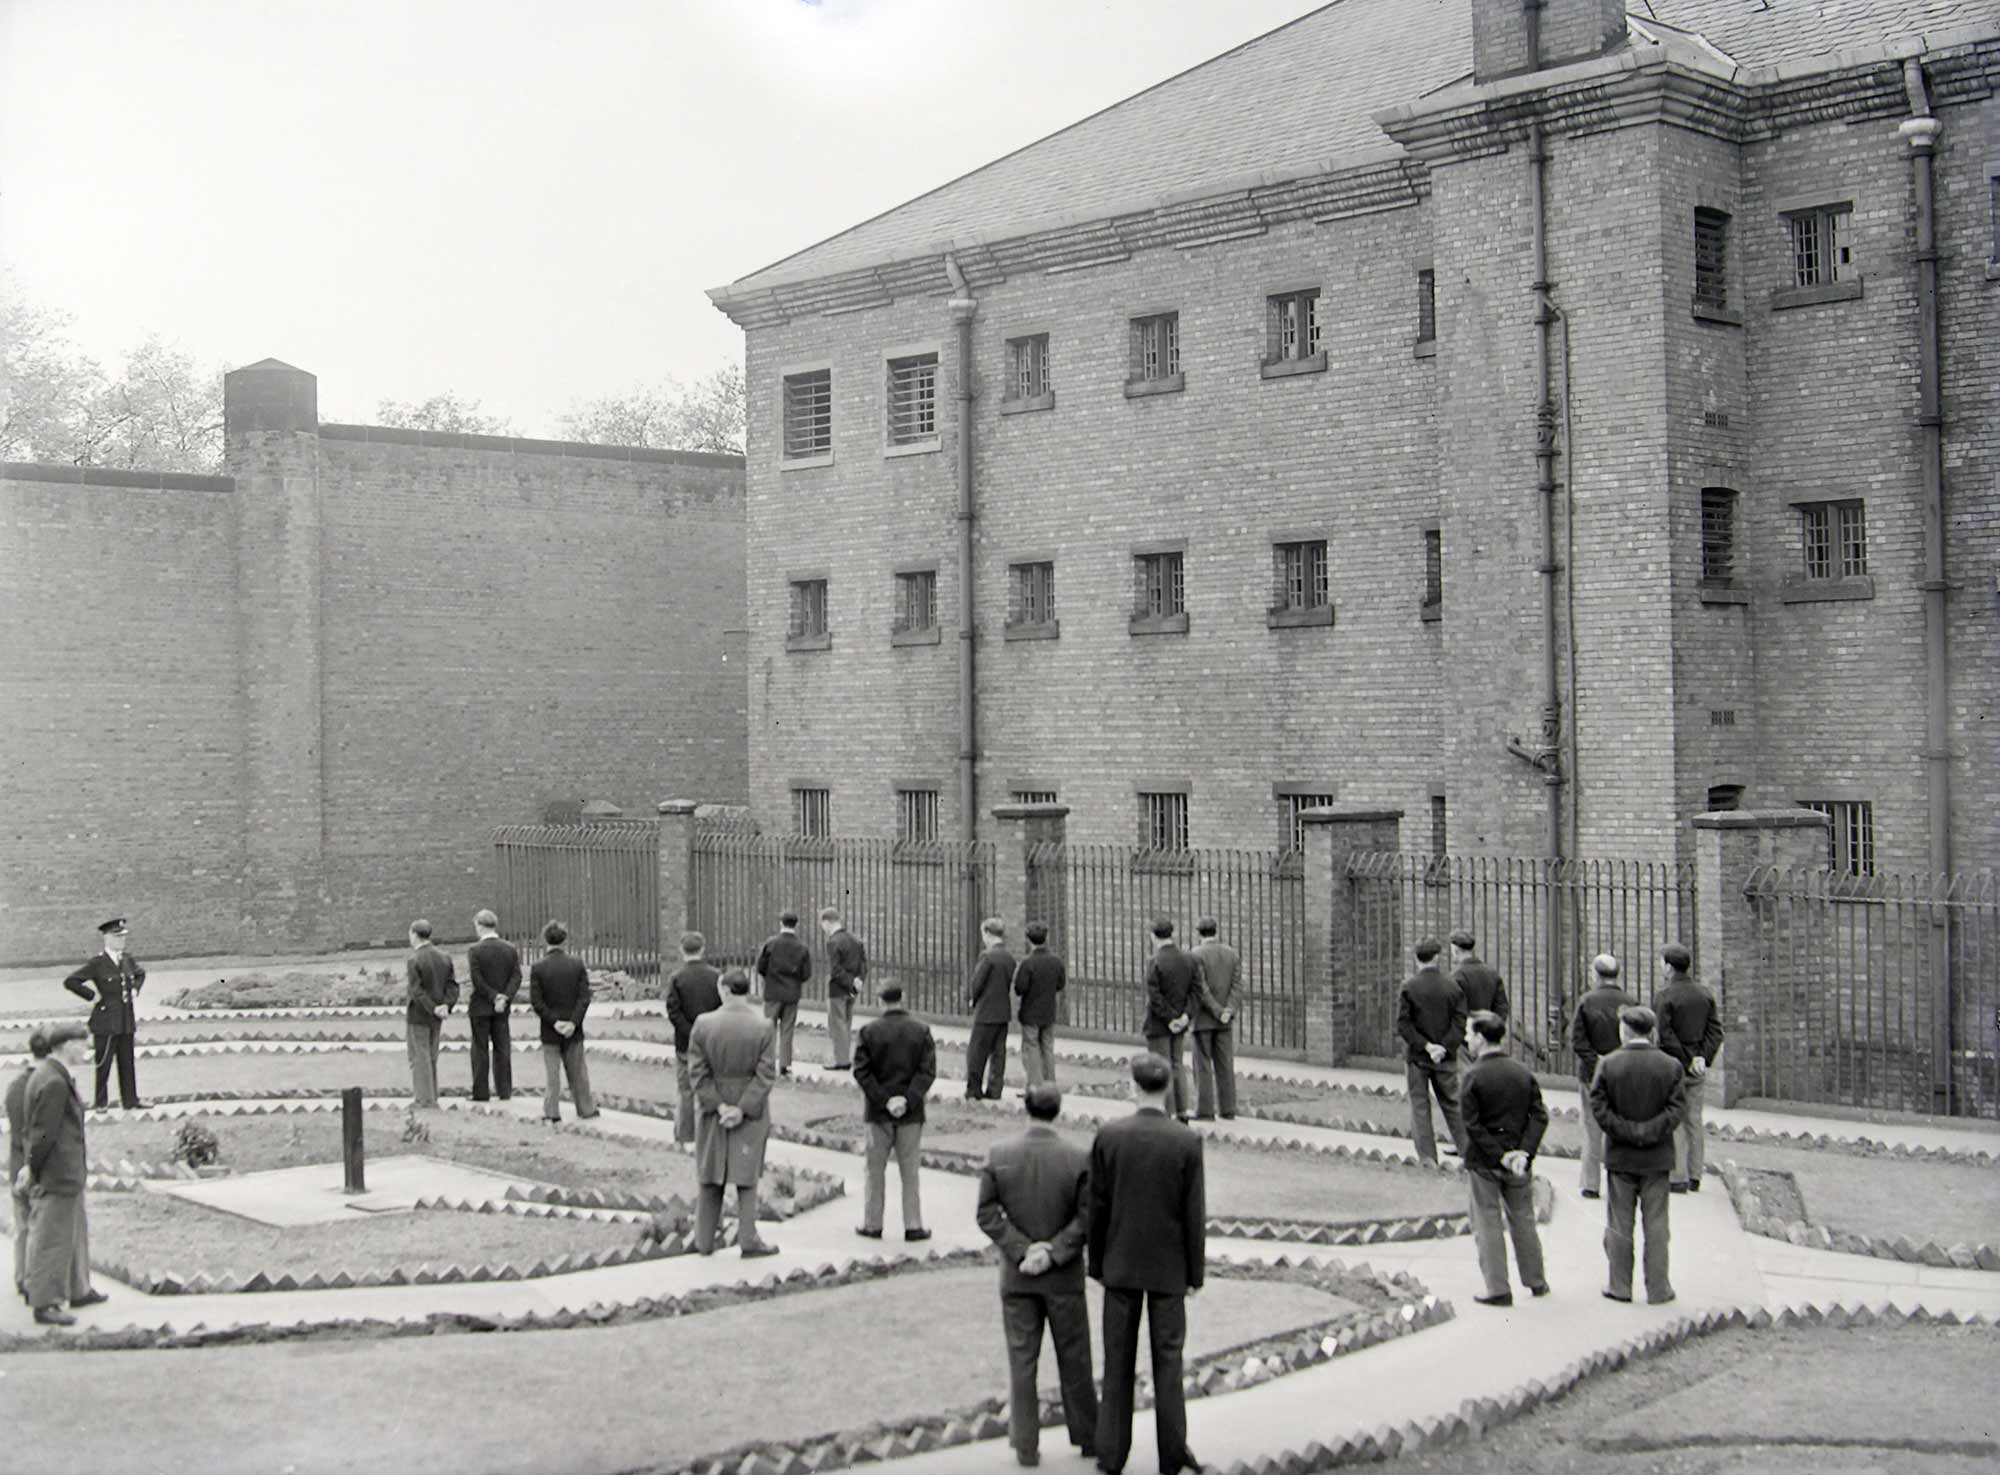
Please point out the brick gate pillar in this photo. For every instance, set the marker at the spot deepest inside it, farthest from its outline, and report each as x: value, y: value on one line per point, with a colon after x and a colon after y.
x: 1728, y: 847
x: 1021, y: 893
x: 1331, y: 960
x: 676, y: 877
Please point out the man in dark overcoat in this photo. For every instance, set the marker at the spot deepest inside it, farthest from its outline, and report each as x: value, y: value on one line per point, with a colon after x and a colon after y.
x: 846, y: 976
x: 732, y: 1064
x: 111, y: 981
x: 1500, y: 1103
x: 493, y: 966
x: 784, y: 968
x: 989, y: 997
x: 1430, y: 1017
x: 694, y: 990
x: 1173, y: 991
x: 53, y: 1177
x: 559, y: 993
x: 1636, y: 1098
x: 1034, y: 1203
x: 895, y: 1065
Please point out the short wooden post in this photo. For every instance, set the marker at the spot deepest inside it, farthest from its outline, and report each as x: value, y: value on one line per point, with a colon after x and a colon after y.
x: 350, y: 1139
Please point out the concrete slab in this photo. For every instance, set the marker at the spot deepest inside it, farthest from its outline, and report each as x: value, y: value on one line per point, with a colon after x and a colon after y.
x: 314, y: 1194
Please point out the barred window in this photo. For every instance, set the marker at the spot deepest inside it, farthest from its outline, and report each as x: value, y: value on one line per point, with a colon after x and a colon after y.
x: 1163, y: 821
x: 1819, y: 246
x: 1711, y: 259
x: 1850, y: 840
x: 1031, y: 593
x: 809, y: 414
x: 916, y: 601
x: 1433, y: 571
x: 1718, y: 535
x: 1033, y: 796
x: 1028, y: 367
x: 808, y: 612
x: 1834, y: 536
x: 917, y: 816
x: 1440, y: 832
x: 1156, y: 346
x: 1295, y: 829
x: 1301, y: 575
x: 1291, y: 326
x: 812, y: 813
x: 1427, y: 305
x: 1160, y: 586
x: 913, y: 389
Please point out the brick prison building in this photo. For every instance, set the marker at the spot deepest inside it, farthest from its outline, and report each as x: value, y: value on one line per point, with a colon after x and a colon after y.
x: 1548, y: 421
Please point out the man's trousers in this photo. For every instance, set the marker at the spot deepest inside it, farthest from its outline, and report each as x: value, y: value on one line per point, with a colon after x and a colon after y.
x: 708, y: 1217
x: 117, y: 1048
x: 986, y: 1060
x: 905, y: 1140
x: 684, y: 1112
x: 1593, y: 1148
x: 58, y: 1249
x: 23, y: 1211
x: 492, y: 1042
x: 1214, y: 1072
x: 1514, y: 1200
x: 1166, y: 1322
x: 1067, y: 1313
x: 1648, y: 1193
x: 1173, y: 1049
x: 786, y: 1016
x: 1688, y: 1136
x: 1425, y: 1081
x: 423, y: 1040
x: 840, y: 1025
x: 1038, y: 1053
x: 567, y: 1058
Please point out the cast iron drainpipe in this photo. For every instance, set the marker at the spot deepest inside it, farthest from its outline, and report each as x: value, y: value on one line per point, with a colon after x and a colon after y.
x: 962, y: 308
x: 1920, y: 132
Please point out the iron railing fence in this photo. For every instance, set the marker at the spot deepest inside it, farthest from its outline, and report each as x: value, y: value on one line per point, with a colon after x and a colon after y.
x: 1853, y: 972
x: 601, y: 880
x: 1630, y: 909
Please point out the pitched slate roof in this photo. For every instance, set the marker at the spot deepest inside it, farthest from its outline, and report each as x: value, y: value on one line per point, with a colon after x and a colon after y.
x: 1290, y: 104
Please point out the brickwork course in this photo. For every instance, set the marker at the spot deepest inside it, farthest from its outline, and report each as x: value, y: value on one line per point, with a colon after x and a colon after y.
x: 1369, y: 142
x: 284, y: 708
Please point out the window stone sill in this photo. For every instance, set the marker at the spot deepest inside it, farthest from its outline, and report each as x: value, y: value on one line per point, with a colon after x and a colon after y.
x: 1430, y: 614
x: 1287, y: 618
x: 1038, y: 630
x: 1723, y: 594
x: 822, y: 641
x: 1799, y: 590
x: 804, y: 463
x: 914, y: 448
x: 1728, y: 316
x: 1425, y: 348
x: 1286, y: 368
x: 1784, y: 297
x: 1024, y: 406
x: 1160, y: 624
x: 1993, y: 271
x: 1141, y: 388
x: 926, y: 636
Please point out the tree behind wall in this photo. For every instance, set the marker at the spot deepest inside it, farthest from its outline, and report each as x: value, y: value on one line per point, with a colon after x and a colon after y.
x: 707, y: 415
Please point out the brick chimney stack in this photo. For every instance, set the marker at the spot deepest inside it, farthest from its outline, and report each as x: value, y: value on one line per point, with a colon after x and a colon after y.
x: 1514, y: 36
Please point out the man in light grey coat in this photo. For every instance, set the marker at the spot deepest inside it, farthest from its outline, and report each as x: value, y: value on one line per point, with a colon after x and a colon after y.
x: 732, y: 1065
x: 53, y: 1178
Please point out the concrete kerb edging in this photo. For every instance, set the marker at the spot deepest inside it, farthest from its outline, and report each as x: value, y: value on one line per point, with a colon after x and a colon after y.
x: 1756, y: 1219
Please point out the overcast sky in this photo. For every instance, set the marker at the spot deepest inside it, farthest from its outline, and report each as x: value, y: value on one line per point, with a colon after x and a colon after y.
x: 520, y: 202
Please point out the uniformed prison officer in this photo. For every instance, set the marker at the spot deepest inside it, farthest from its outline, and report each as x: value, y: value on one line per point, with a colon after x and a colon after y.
x: 111, y: 981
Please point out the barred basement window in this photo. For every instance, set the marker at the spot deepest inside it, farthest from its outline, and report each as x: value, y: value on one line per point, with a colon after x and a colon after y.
x: 917, y: 816
x: 913, y: 385
x: 1718, y: 535
x: 1433, y: 573
x: 812, y: 813
x: 1160, y: 586
x: 916, y: 601
x: 1834, y: 536
x: 1724, y: 798
x: 1163, y: 821
x: 1031, y: 593
x: 1295, y: 828
x: 1033, y: 796
x: 1291, y: 326
x: 808, y: 612
x: 1156, y: 347
x: 1819, y: 246
x: 1427, y: 306
x: 1028, y: 367
x: 1850, y: 842
x: 809, y: 414
x: 1301, y: 575
x: 1440, y: 831
x: 1711, y: 259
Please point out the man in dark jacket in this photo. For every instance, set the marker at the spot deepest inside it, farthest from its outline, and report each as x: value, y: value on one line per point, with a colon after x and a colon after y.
x: 693, y: 991
x: 1430, y: 1017
x: 431, y: 990
x: 1500, y: 1103
x: 1215, y: 1024
x: 989, y: 998
x: 559, y: 993
x: 17, y: 1154
x: 1173, y: 992
x: 1039, y: 980
x: 1148, y: 1227
x: 111, y: 981
x: 1034, y: 1203
x: 1691, y: 1032
x: 895, y: 1064
x: 1477, y: 979
x: 1635, y: 1098
x: 846, y: 972
x: 1593, y: 1034
x: 494, y: 967
x: 784, y: 968
x: 53, y: 1175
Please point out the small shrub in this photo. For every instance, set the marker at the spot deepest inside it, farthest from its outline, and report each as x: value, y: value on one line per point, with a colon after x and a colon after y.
x: 196, y: 1146
x: 415, y: 1130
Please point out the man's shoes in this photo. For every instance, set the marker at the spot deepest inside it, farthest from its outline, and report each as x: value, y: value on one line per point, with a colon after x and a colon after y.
x: 759, y: 1250
x: 92, y: 1298
x: 1027, y: 1457
x: 1625, y: 1300
x: 1229, y: 1116
x: 838, y: 1066
x: 913, y: 1235
x: 1668, y: 1299
x: 1540, y: 1290
x: 588, y: 1116
x: 53, y: 1316
x: 1677, y: 1188
x: 1694, y: 1185
x: 867, y: 1233
x: 1189, y: 1461
x: 786, y: 1071
x: 1593, y: 1193
x: 1505, y: 1298
x: 134, y: 1106
x: 553, y: 1121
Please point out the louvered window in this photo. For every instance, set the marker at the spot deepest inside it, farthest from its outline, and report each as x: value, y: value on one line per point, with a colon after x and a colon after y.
x: 1427, y: 306
x: 1156, y: 346
x: 1718, y: 535
x: 809, y: 414
x: 913, y: 387
x: 1433, y: 570
x: 1711, y: 259
x: 1034, y: 796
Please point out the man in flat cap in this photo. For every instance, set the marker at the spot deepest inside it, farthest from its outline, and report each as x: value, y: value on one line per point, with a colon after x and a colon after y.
x: 1476, y: 978
x: 52, y: 1177
x: 1593, y: 1034
x: 1430, y: 1017
x: 1691, y: 1032
x: 1173, y: 991
x: 784, y: 968
x: 991, y: 1004
x: 111, y: 981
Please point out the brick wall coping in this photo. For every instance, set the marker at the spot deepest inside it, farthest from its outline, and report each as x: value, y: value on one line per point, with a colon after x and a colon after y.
x: 1762, y: 819
x: 451, y: 440
x: 111, y: 476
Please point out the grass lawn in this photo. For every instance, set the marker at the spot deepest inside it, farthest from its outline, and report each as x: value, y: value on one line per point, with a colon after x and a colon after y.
x: 1948, y: 1202
x: 643, y: 1396
x: 1760, y: 1399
